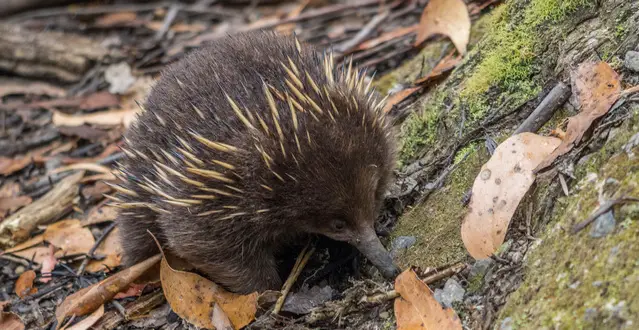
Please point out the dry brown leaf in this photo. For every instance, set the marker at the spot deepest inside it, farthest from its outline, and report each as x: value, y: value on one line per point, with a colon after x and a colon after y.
x: 89, y: 299
x: 136, y: 289
x: 11, y: 204
x: 501, y: 184
x: 24, y: 284
x: 113, y: 19
x: 597, y: 87
x: 99, y: 214
x: 31, y: 242
x: 37, y: 253
x: 10, y: 189
x: 95, y: 191
x: 416, y: 308
x: 11, y: 165
x: 197, y: 306
x: 70, y: 237
x: 445, y: 65
x: 447, y: 17
x: 111, y: 249
x: 399, y: 97
x: 388, y: 36
x: 107, y: 118
x: 89, y: 321
x: 10, y: 321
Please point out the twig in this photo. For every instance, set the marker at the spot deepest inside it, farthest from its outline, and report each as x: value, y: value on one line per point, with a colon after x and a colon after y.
x: 89, y: 256
x: 168, y: 20
x: 392, y: 294
x: 605, y: 207
x: 301, y: 261
x: 363, y: 33
x: 555, y: 98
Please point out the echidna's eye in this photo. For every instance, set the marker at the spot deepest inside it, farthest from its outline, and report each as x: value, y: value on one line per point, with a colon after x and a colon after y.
x: 339, y: 225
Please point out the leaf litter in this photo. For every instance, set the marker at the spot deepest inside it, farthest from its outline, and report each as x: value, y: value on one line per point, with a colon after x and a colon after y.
x: 447, y: 17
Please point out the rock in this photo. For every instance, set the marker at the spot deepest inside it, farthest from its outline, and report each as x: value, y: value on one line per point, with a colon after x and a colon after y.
x: 631, y: 62
x: 603, y: 225
x: 306, y: 299
x: 401, y: 243
x: 630, y: 145
x: 480, y: 267
x: 119, y: 77
x: 597, y: 284
x: 506, y: 324
x: 384, y: 315
x: 590, y: 314
x: 19, y: 270
x: 452, y: 293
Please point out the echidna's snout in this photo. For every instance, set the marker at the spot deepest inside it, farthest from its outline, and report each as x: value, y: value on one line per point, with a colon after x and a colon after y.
x: 369, y: 244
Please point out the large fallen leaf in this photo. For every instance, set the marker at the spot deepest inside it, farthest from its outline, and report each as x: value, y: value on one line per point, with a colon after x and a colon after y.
x: 31, y: 242
x: 70, y: 237
x: 447, y: 17
x: 597, y: 87
x: 198, y: 306
x: 38, y: 254
x: 10, y: 321
x: 24, y: 284
x: 89, y: 299
x: 111, y: 249
x: 416, y: 308
x: 501, y: 184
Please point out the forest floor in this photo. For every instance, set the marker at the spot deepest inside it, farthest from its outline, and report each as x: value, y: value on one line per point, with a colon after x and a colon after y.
x: 72, y: 77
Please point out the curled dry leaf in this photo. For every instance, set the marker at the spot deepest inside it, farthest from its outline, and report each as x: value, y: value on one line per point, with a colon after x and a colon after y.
x: 416, y: 308
x: 597, y: 87
x: 197, y: 306
x: 24, y: 284
x: 91, y: 298
x: 10, y: 321
x: 447, y: 17
x: 501, y: 184
x: 70, y: 237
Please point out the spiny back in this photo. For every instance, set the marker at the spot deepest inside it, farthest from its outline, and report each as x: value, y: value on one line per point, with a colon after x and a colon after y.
x: 253, y: 131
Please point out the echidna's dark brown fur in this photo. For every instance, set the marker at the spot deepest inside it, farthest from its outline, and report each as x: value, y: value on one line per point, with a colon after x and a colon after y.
x: 249, y: 144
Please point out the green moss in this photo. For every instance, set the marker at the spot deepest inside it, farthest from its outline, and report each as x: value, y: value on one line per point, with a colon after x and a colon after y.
x: 435, y: 223
x: 507, y: 61
x: 577, y: 281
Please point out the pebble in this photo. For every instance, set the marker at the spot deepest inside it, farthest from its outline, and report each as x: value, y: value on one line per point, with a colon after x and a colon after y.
x: 604, y: 225
x: 401, y: 243
x: 119, y: 77
x: 631, y: 62
x: 506, y: 324
x: 452, y: 293
x: 19, y: 270
x: 384, y: 315
x: 303, y: 301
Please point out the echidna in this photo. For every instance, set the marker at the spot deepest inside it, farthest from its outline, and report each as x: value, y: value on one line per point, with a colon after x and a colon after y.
x: 249, y: 144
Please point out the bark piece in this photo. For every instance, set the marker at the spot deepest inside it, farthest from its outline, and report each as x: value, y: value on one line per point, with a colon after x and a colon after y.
x: 48, y: 54
x: 17, y: 227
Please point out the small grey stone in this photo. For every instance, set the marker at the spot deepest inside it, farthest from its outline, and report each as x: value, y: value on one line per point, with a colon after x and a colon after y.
x: 597, y: 284
x: 480, y: 267
x: 401, y: 243
x: 384, y: 315
x: 305, y: 300
x: 631, y: 62
x: 452, y: 292
x: 574, y: 285
x: 119, y: 77
x: 19, y: 270
x: 604, y: 225
x: 590, y: 314
x: 506, y: 324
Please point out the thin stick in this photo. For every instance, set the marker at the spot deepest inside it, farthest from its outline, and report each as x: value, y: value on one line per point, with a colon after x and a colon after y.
x: 555, y: 98
x: 301, y: 261
x: 90, y: 255
x: 605, y: 207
